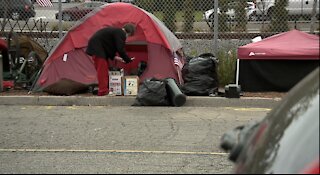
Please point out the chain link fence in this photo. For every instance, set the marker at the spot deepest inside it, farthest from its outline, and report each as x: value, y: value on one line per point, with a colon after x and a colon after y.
x: 203, y: 26
x: 188, y: 19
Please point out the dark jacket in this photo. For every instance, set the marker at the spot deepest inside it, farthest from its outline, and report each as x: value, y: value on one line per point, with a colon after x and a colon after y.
x: 107, y: 42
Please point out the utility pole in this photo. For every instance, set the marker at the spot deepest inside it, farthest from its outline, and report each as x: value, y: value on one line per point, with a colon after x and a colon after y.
x: 215, y: 27
x: 314, y: 15
x: 1, y: 72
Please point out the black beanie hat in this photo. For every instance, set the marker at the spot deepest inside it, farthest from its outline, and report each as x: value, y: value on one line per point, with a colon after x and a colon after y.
x: 130, y: 28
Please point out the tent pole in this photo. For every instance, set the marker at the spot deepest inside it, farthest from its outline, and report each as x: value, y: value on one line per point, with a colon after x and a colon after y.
x: 237, y: 76
x: 35, y: 80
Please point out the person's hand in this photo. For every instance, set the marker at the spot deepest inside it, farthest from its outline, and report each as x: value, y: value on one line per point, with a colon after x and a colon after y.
x: 117, y: 58
x: 130, y: 60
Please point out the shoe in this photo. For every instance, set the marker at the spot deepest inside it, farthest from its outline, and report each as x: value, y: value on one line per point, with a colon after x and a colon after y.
x: 95, y: 90
x: 102, y: 93
x: 111, y: 94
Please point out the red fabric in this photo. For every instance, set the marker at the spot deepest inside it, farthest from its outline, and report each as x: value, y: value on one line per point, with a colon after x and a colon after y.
x: 152, y: 42
x: 78, y: 67
x: 102, y: 68
x: 8, y: 84
x: 139, y: 52
x: 148, y: 28
x: 292, y: 45
x: 3, y: 44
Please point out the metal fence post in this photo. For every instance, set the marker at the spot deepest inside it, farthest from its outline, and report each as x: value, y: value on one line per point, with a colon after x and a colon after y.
x: 60, y: 19
x: 1, y: 73
x: 215, y: 27
x: 313, y: 16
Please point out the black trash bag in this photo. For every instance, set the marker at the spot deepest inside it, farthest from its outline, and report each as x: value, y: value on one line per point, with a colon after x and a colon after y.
x: 141, y: 67
x: 200, y: 76
x: 152, y: 92
x: 202, y: 85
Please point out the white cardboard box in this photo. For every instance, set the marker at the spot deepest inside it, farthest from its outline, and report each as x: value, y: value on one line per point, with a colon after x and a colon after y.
x: 115, y: 82
x: 131, y: 85
x: 121, y: 73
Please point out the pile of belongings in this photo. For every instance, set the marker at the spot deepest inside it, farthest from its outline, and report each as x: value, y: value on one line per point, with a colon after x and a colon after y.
x: 200, y: 76
x: 159, y: 92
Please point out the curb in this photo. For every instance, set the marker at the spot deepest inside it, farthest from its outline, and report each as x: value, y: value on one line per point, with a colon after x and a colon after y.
x: 192, y: 101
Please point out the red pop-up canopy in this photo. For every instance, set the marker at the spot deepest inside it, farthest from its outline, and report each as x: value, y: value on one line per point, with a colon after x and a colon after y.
x: 278, y: 62
x: 292, y: 45
x: 69, y: 67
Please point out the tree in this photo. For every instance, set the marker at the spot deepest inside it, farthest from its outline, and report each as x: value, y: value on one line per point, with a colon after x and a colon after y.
x: 240, y: 15
x: 169, y: 14
x: 223, y: 17
x: 261, y: 6
x: 147, y: 5
x: 189, y: 9
x: 279, y: 17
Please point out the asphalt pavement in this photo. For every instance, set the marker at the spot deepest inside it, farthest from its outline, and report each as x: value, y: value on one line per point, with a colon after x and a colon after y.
x: 117, y: 140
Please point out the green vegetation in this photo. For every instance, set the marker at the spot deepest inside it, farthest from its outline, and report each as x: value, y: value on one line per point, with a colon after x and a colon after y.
x: 241, y: 17
x: 169, y: 13
x: 189, y: 15
x: 226, y: 66
x: 223, y: 17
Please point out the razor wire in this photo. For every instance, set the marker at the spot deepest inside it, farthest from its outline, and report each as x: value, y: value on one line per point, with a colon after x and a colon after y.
x: 195, y: 22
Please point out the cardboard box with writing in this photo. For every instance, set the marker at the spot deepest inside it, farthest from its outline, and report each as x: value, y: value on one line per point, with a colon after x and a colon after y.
x: 131, y: 85
x: 115, y: 82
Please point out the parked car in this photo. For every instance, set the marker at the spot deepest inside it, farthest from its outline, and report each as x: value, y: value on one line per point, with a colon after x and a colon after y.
x: 295, y: 8
x: 62, y: 1
x: 250, y: 9
x: 111, y: 1
x: 17, y: 9
x: 79, y: 11
x: 286, y: 141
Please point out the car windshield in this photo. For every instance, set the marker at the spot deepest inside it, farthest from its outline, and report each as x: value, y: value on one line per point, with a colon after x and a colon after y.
x: 234, y: 5
x: 90, y: 5
x: 25, y: 2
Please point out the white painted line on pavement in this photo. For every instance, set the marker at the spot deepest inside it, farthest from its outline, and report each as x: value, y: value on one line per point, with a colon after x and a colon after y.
x: 248, y: 109
x: 113, y: 151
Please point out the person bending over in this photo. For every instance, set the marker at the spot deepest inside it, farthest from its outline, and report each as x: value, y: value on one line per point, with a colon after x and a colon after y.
x: 103, y: 46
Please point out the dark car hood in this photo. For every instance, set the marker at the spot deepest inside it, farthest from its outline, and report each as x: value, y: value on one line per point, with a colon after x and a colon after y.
x: 287, y: 140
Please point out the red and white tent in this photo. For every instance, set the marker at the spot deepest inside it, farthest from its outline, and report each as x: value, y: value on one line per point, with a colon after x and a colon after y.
x: 69, y: 67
